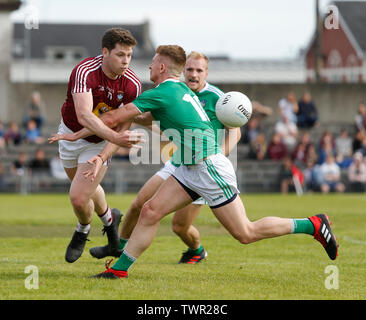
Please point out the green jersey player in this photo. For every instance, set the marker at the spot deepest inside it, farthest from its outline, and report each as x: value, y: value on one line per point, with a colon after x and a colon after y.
x: 212, y: 177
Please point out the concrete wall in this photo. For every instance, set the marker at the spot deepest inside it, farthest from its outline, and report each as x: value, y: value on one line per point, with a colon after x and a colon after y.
x: 335, y: 102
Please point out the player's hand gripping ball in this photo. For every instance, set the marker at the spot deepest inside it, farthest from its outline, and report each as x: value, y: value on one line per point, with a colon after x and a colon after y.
x: 233, y: 109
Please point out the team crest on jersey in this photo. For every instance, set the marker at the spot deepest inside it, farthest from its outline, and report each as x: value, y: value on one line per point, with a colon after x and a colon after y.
x: 101, y: 88
x: 203, y: 102
x: 120, y: 95
x: 101, y: 108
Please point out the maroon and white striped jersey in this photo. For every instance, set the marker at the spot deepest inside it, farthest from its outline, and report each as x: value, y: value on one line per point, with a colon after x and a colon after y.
x: 108, y: 94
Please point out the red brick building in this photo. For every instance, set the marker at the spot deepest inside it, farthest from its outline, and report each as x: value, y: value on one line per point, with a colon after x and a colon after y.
x: 342, y: 44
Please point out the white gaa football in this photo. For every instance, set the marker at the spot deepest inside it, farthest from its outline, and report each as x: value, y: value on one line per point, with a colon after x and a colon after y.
x: 233, y: 109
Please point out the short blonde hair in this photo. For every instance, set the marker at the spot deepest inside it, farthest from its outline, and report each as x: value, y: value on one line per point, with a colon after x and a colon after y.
x: 198, y: 55
x: 177, y: 56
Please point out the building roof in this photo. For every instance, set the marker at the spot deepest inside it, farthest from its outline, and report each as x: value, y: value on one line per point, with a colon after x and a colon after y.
x: 354, y: 15
x: 87, y: 36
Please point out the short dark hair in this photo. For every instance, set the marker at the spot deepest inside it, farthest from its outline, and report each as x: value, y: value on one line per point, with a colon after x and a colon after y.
x: 117, y: 35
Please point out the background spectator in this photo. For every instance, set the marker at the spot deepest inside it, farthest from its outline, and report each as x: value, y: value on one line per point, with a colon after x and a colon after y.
x: 331, y: 173
x: 288, y: 173
x: 357, y: 174
x: 251, y: 130
x: 258, y: 147
x: 40, y: 169
x: 343, y: 149
x: 304, y: 150
x: 362, y: 149
x: 288, y: 132
x: 20, y: 165
x: 33, y: 135
x: 2, y: 137
x: 35, y: 111
x: 13, y: 135
x: 360, y: 118
x: 307, y: 114
x: 288, y: 107
x: 326, y: 146
x: 357, y: 140
x: 277, y: 149
x: 312, y: 176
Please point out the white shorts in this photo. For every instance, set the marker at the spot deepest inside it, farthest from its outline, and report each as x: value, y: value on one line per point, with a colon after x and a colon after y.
x: 80, y: 151
x: 167, y: 170
x: 214, y: 179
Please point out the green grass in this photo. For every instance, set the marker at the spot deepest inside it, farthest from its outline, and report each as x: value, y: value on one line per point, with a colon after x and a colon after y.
x: 35, y: 230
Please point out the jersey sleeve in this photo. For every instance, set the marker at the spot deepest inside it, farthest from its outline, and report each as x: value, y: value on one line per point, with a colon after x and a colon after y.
x: 79, y: 81
x: 148, y: 101
x: 133, y: 87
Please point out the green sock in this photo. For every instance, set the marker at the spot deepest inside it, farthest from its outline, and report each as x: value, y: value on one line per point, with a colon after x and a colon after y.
x: 122, y: 243
x: 302, y: 226
x: 124, y: 262
x: 196, y: 251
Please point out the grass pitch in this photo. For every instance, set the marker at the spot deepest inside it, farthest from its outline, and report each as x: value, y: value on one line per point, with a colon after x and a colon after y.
x: 35, y: 230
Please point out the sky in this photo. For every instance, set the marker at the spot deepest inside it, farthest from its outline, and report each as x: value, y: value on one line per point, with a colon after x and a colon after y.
x: 241, y: 29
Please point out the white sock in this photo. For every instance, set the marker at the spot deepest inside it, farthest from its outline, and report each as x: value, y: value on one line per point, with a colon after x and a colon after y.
x: 107, y: 217
x: 84, y: 228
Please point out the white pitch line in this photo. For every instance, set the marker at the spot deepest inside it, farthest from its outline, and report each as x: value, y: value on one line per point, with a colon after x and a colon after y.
x: 355, y: 241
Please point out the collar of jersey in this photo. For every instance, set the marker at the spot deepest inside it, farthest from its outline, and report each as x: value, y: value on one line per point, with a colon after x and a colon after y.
x: 204, y: 88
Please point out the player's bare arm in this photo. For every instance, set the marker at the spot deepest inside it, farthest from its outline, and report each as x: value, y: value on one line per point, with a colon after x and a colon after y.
x: 83, y: 107
x: 232, y: 138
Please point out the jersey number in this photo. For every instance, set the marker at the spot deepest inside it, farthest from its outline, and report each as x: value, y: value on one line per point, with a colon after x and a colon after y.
x: 197, y: 106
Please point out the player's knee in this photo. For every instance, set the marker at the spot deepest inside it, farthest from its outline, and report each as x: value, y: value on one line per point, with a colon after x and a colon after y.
x: 178, y: 228
x: 78, y: 201
x: 149, y: 215
x: 246, y: 236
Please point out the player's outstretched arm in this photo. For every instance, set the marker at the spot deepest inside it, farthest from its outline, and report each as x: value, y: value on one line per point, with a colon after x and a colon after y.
x: 83, y: 133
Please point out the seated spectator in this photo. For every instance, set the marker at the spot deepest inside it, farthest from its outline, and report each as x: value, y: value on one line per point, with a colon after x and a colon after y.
x: 288, y: 107
x: 13, y: 135
x: 277, y: 149
x: 290, y: 176
x: 313, y: 177
x: 332, y: 176
x: 20, y: 166
x: 39, y: 168
x: 33, y: 135
x: 307, y: 114
x: 288, y: 132
x: 326, y: 147
x: 258, y: 147
x: 35, y: 111
x: 251, y: 130
x: 357, y: 173
x: 57, y: 169
x: 357, y: 140
x: 304, y: 150
x: 343, y: 144
x: 343, y: 149
x: 362, y: 149
x: 360, y: 118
